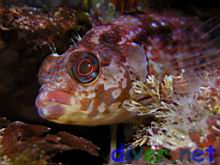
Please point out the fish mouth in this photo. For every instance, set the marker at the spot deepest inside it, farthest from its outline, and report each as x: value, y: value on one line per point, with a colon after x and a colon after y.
x: 52, y: 104
x: 61, y: 107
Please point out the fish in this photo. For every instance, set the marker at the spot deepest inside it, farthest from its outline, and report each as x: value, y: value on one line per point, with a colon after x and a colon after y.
x: 88, y: 83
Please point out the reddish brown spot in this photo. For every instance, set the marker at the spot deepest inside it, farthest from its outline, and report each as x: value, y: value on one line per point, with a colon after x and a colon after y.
x: 218, y: 82
x: 85, y: 104
x: 103, y: 96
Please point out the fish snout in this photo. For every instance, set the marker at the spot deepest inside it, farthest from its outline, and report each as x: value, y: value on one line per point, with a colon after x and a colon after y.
x: 52, y: 104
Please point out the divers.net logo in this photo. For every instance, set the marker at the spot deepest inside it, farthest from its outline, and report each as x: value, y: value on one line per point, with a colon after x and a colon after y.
x: 152, y: 157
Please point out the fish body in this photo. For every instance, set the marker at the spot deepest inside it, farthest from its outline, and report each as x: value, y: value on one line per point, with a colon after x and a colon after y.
x: 88, y: 83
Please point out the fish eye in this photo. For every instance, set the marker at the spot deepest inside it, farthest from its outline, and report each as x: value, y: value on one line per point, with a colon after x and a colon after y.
x: 83, y: 66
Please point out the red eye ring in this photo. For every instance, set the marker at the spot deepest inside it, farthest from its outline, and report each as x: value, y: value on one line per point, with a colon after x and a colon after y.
x: 81, y: 64
x: 84, y: 67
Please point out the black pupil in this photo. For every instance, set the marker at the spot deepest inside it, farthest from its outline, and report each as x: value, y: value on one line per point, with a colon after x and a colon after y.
x: 85, y: 67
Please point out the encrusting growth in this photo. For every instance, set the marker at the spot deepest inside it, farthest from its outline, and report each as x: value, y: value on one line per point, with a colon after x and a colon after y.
x: 178, y: 116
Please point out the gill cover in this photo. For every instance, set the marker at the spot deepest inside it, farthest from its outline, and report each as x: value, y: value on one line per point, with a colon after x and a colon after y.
x: 137, y: 60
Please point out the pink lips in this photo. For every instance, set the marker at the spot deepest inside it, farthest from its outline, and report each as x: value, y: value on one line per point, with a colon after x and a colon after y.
x: 47, y: 109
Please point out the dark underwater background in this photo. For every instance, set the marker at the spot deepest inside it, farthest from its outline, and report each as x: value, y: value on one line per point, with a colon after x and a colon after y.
x: 20, y: 61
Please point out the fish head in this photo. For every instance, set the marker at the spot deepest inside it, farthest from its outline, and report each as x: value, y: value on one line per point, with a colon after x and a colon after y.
x: 87, y: 84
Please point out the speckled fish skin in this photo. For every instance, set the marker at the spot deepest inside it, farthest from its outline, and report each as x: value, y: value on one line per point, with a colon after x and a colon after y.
x: 128, y: 48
